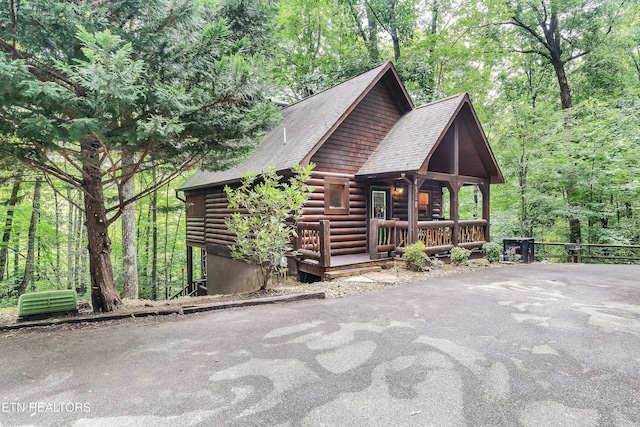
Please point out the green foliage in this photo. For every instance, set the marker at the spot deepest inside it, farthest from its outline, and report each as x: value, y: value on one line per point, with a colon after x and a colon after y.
x: 61, y: 256
x: 459, y: 255
x: 414, y: 256
x: 159, y: 83
x: 266, y: 225
x: 492, y: 251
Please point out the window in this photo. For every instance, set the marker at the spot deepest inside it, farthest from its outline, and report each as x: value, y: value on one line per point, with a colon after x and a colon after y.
x: 336, y: 196
x: 423, y: 203
x: 424, y: 208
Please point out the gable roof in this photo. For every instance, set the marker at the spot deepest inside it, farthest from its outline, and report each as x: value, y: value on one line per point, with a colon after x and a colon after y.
x: 305, y: 125
x: 415, y: 137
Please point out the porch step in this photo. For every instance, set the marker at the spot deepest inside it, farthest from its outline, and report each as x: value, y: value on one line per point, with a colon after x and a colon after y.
x: 351, y: 271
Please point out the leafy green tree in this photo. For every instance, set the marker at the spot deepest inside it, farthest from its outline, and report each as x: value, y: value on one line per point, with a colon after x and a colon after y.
x: 397, y: 18
x: 251, y: 22
x: 316, y: 47
x: 270, y: 208
x: 85, y: 82
x: 562, y: 32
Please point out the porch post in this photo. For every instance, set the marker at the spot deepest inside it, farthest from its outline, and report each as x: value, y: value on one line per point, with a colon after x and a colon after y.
x: 189, y: 266
x: 455, y: 184
x: 373, y: 238
x: 413, y: 208
x: 484, y: 189
x: 454, y: 188
x: 410, y: 213
x: 325, y: 243
x: 413, y: 225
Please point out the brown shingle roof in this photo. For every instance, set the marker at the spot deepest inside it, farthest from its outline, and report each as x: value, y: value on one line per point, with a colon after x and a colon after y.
x: 305, y: 123
x: 413, y: 138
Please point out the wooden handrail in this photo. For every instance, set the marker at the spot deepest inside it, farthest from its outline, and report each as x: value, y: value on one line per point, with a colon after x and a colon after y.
x: 314, y: 241
x: 468, y: 222
x: 382, y: 236
x: 435, y: 224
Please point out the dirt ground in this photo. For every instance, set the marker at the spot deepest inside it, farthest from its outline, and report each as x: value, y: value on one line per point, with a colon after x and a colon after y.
x: 336, y: 288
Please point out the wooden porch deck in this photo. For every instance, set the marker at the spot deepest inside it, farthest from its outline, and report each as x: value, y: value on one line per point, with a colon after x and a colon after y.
x: 313, y: 244
x: 344, y: 265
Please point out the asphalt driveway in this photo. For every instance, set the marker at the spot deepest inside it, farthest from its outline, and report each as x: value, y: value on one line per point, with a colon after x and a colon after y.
x: 529, y: 345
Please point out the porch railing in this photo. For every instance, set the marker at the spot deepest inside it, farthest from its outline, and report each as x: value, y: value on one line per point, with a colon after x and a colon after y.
x: 195, y: 288
x: 314, y: 238
x: 472, y: 233
x: 383, y: 237
x: 437, y: 236
x: 314, y: 242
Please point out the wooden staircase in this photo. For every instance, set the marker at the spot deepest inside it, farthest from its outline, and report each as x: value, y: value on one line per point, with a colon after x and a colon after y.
x: 343, y: 266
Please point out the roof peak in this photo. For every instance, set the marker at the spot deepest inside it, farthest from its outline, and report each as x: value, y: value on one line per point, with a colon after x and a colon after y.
x: 377, y: 68
x: 448, y: 98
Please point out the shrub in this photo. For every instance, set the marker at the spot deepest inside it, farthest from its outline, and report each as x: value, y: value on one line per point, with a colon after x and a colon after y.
x: 414, y: 256
x: 264, y: 232
x: 492, y: 251
x: 435, y: 262
x: 459, y: 255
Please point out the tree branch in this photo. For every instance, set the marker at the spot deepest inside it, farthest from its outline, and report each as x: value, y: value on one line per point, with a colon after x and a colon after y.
x: 571, y: 58
x: 518, y: 23
x: 537, y: 52
x: 48, y: 179
x: 375, y: 15
x: 357, y: 22
x: 192, y: 161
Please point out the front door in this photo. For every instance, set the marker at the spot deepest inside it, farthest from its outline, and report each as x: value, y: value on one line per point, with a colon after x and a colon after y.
x: 380, y: 203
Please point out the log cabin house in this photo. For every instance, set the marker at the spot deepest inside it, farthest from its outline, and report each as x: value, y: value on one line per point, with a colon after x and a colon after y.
x: 382, y: 166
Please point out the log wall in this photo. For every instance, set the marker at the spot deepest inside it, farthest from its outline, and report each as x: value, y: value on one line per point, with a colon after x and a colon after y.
x: 195, y: 219
x: 348, y: 232
x: 349, y: 147
x: 206, y: 213
x: 216, y: 213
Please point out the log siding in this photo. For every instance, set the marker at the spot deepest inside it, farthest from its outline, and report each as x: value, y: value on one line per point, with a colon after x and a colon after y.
x: 348, y: 232
x: 357, y: 137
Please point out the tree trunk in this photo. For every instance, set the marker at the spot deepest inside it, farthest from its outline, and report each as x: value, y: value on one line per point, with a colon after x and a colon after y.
x: 396, y: 46
x: 566, y: 101
x: 431, y: 78
x: 154, y: 241
x: 8, y: 222
x: 173, y: 248
x: 29, y: 268
x: 79, y: 254
x: 563, y: 84
x: 393, y: 29
x: 165, y: 249
x: 104, y: 295
x: 129, y: 240
x: 147, y: 240
x: 70, y: 240
x: 58, y: 276
x: 372, y: 43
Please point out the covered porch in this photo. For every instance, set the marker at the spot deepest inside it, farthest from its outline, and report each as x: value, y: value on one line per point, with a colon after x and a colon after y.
x: 387, y: 240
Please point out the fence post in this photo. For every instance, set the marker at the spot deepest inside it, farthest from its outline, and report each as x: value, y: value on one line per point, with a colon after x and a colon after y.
x: 325, y: 243
x: 373, y: 239
x: 579, y: 252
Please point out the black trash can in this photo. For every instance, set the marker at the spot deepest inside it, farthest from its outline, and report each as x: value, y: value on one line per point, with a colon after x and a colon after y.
x: 523, y: 246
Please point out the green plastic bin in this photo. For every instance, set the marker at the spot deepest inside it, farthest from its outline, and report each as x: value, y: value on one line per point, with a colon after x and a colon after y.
x: 39, y: 305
